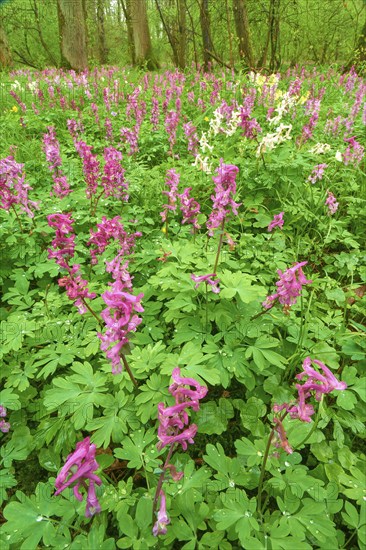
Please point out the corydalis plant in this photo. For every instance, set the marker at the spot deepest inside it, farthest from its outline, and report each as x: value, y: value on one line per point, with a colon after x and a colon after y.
x: 13, y: 188
x: 172, y: 181
x: 173, y: 430
x: 79, y: 469
x: 51, y: 148
x: 289, y: 287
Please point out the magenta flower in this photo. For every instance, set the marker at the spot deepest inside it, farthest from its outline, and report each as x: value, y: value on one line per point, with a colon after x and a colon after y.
x: 280, y: 439
x: 208, y: 279
x: 76, y: 288
x: 77, y: 470
x: 332, y: 203
x: 174, y: 421
x: 288, y: 287
x: 51, y: 148
x: 162, y: 520
x: 354, y: 152
x: 13, y: 188
x: 276, y: 222
x: 4, y: 426
x: 223, y: 202
x: 111, y: 230
x: 91, y: 167
x: 317, y: 173
x: 189, y: 208
x: 113, y: 180
x: 172, y: 181
x: 3, y: 412
x: 64, y: 241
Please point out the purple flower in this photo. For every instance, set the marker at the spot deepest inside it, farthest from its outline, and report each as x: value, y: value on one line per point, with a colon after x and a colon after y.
x: 113, y: 180
x: 189, y: 208
x: 223, y: 202
x: 174, y: 421
x: 77, y: 470
x: 208, y: 280
x: 64, y: 241
x: 111, y: 230
x: 288, y: 287
x: 317, y: 173
x: 51, y: 148
x: 2, y: 411
x: 172, y: 181
x: 162, y: 520
x: 13, y: 188
x: 90, y: 167
x: 276, y: 222
x: 280, y: 439
x: 332, y: 203
x: 4, y: 426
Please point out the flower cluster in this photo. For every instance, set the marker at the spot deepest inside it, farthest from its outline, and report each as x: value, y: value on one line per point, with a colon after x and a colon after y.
x: 63, y: 250
x: 354, y: 152
x: 172, y: 181
x: 316, y: 385
x: 223, y: 202
x: 51, y: 148
x: 317, y: 173
x: 173, y: 420
x: 4, y: 426
x: 13, y: 189
x: 189, y: 208
x: 108, y: 230
x: 77, y: 470
x: 289, y: 286
x: 162, y: 519
x: 270, y: 141
x: 120, y: 314
x: 276, y: 222
x: 208, y: 279
x: 90, y: 167
x: 113, y: 179
x: 332, y: 203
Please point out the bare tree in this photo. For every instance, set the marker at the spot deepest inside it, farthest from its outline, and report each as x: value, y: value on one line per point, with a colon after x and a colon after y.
x: 102, y: 48
x: 141, y: 34
x: 73, y: 33
x: 206, y: 34
x: 242, y: 31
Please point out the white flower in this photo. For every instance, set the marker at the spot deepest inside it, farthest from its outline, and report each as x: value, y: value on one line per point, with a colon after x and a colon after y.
x: 202, y: 164
x: 204, y: 144
x: 320, y: 148
x: 338, y: 156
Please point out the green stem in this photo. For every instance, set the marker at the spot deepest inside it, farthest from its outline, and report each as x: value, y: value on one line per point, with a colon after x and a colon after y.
x: 263, y: 468
x: 17, y: 217
x: 127, y: 367
x: 100, y: 322
x: 219, y: 246
x: 161, y: 481
x: 314, y: 426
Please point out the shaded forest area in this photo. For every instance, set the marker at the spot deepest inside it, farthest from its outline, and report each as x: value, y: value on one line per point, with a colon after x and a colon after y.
x: 266, y: 35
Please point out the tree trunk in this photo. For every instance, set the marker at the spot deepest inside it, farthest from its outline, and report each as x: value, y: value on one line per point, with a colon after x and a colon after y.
x: 182, y: 34
x: 242, y: 31
x: 274, y: 33
x: 72, y: 27
x: 141, y: 34
x: 206, y: 36
x: 359, y: 55
x: 102, y: 48
x: 126, y: 8
x: 5, y: 53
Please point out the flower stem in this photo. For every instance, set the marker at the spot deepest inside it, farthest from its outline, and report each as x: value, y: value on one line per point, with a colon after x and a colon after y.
x: 100, y: 322
x: 127, y: 367
x: 161, y: 481
x: 219, y: 246
x: 16, y: 214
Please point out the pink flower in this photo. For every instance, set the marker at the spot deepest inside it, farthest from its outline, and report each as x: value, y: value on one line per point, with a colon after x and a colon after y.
x: 317, y: 173
x: 113, y: 180
x: 332, y: 203
x: 276, y: 222
x: 223, y: 202
x: 189, y: 208
x: 13, y: 188
x: 162, y: 520
x: 208, y: 279
x: 172, y: 181
x: 77, y: 470
x: 288, y: 287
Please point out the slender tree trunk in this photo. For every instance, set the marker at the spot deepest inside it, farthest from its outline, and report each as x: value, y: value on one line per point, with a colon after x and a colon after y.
x: 229, y: 34
x: 141, y: 35
x: 72, y: 26
x: 359, y: 55
x: 169, y: 32
x: 102, y: 48
x: 274, y: 33
x: 242, y: 31
x: 205, y: 28
x: 182, y: 33
x: 193, y: 34
x: 5, y: 53
x: 126, y: 8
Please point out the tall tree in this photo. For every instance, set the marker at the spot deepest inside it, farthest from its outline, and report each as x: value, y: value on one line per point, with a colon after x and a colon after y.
x: 73, y: 33
x: 102, y: 47
x: 206, y: 34
x: 141, y: 34
x: 175, y: 27
x: 242, y: 31
x: 5, y: 53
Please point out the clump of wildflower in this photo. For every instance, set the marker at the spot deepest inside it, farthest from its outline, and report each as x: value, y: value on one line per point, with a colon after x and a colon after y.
x: 208, y: 279
x: 223, y: 202
x: 79, y: 469
x: 113, y: 180
x: 13, y: 188
x: 109, y: 230
x: 354, y: 152
x: 276, y: 222
x: 63, y: 249
x: 317, y: 173
x: 189, y: 208
x: 190, y: 131
x: 202, y: 164
x: 316, y: 385
x: 332, y: 203
x: 289, y: 286
x: 172, y: 181
x: 174, y: 421
x: 90, y: 167
x: 270, y: 141
x: 4, y: 426
x: 120, y: 314
x: 51, y: 148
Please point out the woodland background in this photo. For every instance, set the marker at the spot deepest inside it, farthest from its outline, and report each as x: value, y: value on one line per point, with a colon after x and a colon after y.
x: 267, y: 35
